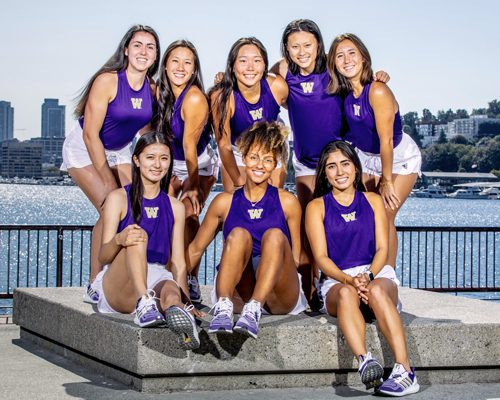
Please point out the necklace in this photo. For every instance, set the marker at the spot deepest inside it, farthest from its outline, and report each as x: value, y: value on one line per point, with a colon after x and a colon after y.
x: 254, y: 203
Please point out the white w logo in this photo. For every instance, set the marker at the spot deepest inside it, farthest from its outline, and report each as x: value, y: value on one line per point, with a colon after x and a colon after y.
x: 256, y: 214
x: 356, y: 110
x: 151, y: 212
x: 349, y: 217
x: 136, y: 103
x: 307, y: 87
x: 256, y: 114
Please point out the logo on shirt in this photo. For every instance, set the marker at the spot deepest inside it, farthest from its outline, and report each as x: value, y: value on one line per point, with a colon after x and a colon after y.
x: 136, y: 103
x: 255, y: 213
x: 256, y: 114
x: 151, y: 212
x: 349, y: 217
x: 307, y: 87
x: 356, y: 110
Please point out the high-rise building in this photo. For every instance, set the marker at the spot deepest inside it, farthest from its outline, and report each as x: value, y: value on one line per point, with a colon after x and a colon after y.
x: 21, y: 159
x: 6, y: 121
x: 53, y: 116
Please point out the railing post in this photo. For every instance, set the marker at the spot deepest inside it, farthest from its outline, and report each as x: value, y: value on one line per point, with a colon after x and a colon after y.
x: 59, y: 258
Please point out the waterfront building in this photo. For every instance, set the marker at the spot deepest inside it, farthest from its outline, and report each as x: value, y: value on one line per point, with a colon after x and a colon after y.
x: 429, y: 133
x: 470, y: 128
x: 6, y: 121
x: 21, y: 159
x: 449, y: 179
x: 53, y: 117
x: 51, y: 149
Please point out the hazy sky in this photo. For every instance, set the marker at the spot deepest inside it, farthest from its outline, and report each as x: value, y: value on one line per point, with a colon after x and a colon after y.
x: 440, y: 54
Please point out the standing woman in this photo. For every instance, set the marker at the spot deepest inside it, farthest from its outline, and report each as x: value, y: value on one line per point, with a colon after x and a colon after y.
x: 143, y: 233
x: 348, y: 232
x: 183, y: 115
x: 316, y: 117
x: 116, y: 103
x: 261, y: 229
x: 246, y: 94
x: 390, y: 158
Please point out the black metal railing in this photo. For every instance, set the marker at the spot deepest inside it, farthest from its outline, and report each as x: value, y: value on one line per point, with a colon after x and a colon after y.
x: 452, y: 259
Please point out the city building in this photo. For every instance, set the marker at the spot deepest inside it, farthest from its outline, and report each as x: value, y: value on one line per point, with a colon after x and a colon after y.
x: 53, y: 117
x: 429, y: 133
x: 6, y: 121
x: 51, y: 149
x: 21, y: 159
x: 470, y: 127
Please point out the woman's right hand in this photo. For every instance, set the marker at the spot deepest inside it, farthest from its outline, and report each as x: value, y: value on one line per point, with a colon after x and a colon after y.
x: 131, y: 235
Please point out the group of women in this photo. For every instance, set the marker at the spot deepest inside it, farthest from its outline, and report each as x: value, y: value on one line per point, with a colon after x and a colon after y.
x: 149, y: 197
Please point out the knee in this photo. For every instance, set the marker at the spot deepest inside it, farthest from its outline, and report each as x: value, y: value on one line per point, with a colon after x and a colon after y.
x: 239, y: 236
x: 377, y: 294
x: 273, y: 238
x: 347, y: 294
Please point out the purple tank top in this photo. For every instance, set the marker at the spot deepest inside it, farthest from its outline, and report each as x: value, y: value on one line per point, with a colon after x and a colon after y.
x: 246, y: 114
x: 177, y: 127
x: 256, y: 219
x: 349, y: 231
x: 360, y: 118
x: 315, y: 116
x: 129, y: 111
x: 158, y: 221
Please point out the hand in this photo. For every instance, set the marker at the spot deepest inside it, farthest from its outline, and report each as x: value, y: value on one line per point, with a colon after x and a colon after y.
x: 389, y: 196
x: 131, y: 236
x: 197, y: 313
x: 360, y: 282
x: 381, y: 76
x: 195, y: 197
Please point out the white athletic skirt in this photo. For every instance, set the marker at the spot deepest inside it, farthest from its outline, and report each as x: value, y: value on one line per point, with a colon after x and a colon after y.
x: 208, y: 165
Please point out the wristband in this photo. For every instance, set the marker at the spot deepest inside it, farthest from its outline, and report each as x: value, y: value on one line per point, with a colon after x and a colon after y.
x: 370, y: 275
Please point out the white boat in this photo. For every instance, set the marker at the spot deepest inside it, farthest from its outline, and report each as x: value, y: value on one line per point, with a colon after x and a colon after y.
x: 470, y: 193
x: 431, y: 192
x: 492, y: 193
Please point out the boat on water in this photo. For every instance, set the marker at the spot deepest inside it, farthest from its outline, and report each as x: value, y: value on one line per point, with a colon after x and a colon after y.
x: 469, y: 193
x: 492, y: 193
x: 431, y: 192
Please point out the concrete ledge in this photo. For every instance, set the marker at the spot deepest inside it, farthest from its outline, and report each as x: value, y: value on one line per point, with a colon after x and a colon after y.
x: 450, y: 339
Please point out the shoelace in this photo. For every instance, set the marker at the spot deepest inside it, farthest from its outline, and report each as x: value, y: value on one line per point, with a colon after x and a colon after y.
x: 150, y: 305
x: 253, y: 308
x: 224, y: 306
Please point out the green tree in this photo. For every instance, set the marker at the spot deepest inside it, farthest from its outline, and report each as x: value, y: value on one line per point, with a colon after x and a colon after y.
x: 459, y: 139
x: 440, y: 157
x: 493, y: 109
x: 460, y: 113
x: 479, y: 111
x: 427, y: 117
x: 442, y: 137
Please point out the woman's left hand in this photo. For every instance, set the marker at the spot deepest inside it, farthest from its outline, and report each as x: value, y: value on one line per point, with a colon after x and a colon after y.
x: 389, y: 196
x: 196, y: 200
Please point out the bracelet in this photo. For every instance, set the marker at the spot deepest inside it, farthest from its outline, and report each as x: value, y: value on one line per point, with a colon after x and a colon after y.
x: 345, y: 280
x: 385, y: 183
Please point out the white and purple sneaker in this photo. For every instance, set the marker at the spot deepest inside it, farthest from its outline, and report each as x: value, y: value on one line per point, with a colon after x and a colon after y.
x: 400, y: 382
x: 182, y: 322
x: 91, y: 295
x: 146, y: 311
x: 222, y: 322
x: 248, y: 323
x: 370, y: 371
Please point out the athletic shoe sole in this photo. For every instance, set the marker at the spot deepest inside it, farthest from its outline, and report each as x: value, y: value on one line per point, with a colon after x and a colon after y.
x: 181, y: 324
x: 372, y: 375
x: 244, y: 331
x: 411, y: 390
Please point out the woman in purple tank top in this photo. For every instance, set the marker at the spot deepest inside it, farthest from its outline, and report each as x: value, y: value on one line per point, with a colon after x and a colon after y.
x: 348, y: 232
x: 390, y: 158
x: 183, y: 116
x: 246, y: 78
x: 115, y: 104
x: 316, y: 117
x: 143, y: 233
x: 261, y: 227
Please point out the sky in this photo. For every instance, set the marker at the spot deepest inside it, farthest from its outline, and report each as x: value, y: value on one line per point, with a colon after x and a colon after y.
x: 440, y: 54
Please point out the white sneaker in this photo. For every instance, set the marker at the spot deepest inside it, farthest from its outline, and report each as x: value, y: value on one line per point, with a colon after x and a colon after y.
x: 400, y: 382
x: 146, y: 311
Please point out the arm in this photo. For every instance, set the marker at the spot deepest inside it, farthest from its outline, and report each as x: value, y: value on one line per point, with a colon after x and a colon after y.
x: 381, y: 232
x: 280, y: 68
x: 194, y: 112
x: 115, y: 209
x: 102, y: 92
x: 177, y: 260
x: 224, y: 140
x: 384, y: 107
x: 293, y: 214
x: 381, y: 76
x: 279, y: 88
x: 213, y: 219
x: 316, y: 234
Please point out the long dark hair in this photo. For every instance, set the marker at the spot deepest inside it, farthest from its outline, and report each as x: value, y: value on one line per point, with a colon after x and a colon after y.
x: 118, y: 62
x: 228, y: 82
x: 304, y: 25
x: 166, y: 99
x: 322, y: 186
x: 137, y: 187
x: 339, y: 84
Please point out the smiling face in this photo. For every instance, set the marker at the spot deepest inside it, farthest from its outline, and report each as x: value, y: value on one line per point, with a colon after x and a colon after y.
x: 180, y: 66
x: 303, y: 50
x: 141, y: 51
x: 153, y: 162
x: 348, y: 59
x: 340, y: 171
x: 249, y: 65
x: 259, y: 164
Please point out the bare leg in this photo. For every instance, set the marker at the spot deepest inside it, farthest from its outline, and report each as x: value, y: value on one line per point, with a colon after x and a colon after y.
x: 383, y: 298
x: 169, y: 295
x: 277, y: 285
x: 343, y: 302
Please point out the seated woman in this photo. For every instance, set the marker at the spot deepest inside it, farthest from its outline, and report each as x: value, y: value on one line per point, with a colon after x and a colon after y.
x: 143, y: 232
x: 348, y: 232
x: 261, y: 228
